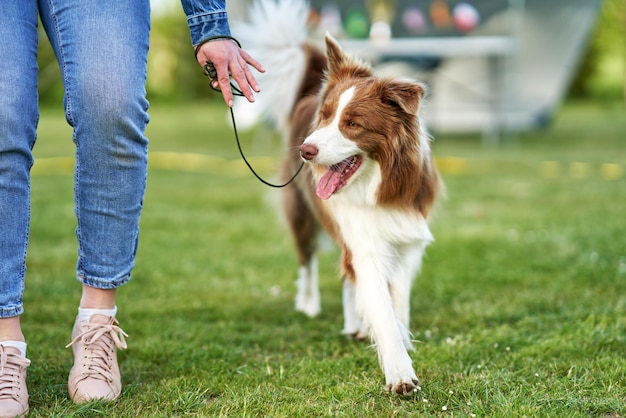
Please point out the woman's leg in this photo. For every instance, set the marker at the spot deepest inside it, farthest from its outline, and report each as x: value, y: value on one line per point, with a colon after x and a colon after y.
x: 18, y: 125
x: 102, y: 49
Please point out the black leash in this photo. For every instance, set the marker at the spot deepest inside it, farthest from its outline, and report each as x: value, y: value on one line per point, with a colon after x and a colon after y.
x: 209, y: 71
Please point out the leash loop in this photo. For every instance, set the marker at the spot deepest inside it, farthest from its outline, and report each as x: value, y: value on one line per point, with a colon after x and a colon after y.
x: 211, y: 73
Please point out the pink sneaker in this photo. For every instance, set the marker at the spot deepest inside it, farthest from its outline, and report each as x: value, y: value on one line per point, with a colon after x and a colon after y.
x: 96, y: 374
x: 13, y: 393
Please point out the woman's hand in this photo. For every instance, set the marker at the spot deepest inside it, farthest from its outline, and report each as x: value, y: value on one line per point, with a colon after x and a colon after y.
x: 230, y: 60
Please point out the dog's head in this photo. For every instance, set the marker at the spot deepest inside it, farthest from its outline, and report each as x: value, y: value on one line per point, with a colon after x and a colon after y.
x: 367, y: 129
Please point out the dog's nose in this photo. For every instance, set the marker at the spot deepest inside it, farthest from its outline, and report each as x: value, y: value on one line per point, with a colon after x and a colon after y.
x: 308, y: 151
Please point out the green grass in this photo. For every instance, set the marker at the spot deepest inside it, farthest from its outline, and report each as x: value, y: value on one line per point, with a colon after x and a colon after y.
x: 520, y: 309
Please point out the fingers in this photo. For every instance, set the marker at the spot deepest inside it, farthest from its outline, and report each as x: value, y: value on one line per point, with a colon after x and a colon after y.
x: 220, y: 63
x: 224, y: 85
x: 251, y: 61
x: 230, y: 60
x: 245, y: 80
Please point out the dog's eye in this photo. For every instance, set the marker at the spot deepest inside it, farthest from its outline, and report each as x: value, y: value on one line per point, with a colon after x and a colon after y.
x: 352, y: 124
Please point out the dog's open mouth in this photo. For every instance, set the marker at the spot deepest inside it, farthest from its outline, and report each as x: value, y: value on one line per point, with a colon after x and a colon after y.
x: 337, y: 175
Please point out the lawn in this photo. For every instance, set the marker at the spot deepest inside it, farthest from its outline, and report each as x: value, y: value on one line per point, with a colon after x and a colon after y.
x: 520, y: 309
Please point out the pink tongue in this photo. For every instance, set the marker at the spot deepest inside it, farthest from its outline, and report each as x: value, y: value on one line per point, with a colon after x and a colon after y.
x: 329, y: 183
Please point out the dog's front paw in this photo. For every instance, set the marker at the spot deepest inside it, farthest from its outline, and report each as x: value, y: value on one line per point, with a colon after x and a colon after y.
x: 356, y: 331
x: 360, y: 335
x: 309, y: 304
x: 308, y: 298
x: 402, y: 381
x: 404, y: 387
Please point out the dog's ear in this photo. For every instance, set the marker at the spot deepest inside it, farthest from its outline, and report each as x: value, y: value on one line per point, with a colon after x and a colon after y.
x: 407, y: 95
x: 334, y: 53
x: 341, y: 64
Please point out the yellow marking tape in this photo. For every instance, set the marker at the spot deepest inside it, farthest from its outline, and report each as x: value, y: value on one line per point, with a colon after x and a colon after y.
x: 611, y: 171
x: 56, y: 165
x: 452, y: 165
x: 550, y: 169
x: 202, y: 163
x: 581, y: 170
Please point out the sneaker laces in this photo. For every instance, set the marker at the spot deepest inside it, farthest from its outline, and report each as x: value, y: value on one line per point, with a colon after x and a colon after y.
x: 11, y: 368
x: 100, y: 341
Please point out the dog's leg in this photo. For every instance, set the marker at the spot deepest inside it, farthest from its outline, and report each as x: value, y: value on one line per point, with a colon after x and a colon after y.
x: 308, y: 296
x: 409, y: 264
x: 374, y: 302
x: 304, y: 229
x: 352, y: 324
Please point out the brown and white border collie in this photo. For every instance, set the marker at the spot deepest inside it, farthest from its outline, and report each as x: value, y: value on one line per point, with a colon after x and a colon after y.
x: 369, y: 179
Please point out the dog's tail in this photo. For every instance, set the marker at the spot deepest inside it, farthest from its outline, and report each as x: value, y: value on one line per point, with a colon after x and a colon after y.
x: 275, y: 35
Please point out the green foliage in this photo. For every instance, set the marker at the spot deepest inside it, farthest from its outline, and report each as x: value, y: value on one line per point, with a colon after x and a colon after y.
x: 50, y: 82
x: 602, y: 73
x: 173, y: 72
x: 519, y: 310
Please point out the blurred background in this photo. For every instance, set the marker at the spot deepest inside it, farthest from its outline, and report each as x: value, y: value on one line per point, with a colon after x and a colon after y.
x: 521, y: 303
x: 492, y: 66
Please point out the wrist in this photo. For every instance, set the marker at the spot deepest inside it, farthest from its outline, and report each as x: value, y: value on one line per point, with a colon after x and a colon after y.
x: 215, y: 38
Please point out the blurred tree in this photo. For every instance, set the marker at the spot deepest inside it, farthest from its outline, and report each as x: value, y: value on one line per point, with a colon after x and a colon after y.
x: 50, y: 84
x: 173, y: 72
x: 602, y: 74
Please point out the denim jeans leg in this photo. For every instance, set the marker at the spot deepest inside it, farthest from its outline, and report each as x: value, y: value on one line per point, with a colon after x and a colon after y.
x: 18, y: 125
x: 102, y: 48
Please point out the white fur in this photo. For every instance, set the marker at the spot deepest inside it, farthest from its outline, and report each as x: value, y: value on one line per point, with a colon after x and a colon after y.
x: 308, y: 296
x: 352, y: 324
x: 386, y: 255
x: 322, y: 137
x: 274, y: 37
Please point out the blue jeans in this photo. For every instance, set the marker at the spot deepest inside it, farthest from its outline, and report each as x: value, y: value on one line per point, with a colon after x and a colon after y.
x: 102, y: 48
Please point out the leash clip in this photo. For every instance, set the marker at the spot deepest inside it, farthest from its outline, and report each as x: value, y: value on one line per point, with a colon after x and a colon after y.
x: 209, y: 71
